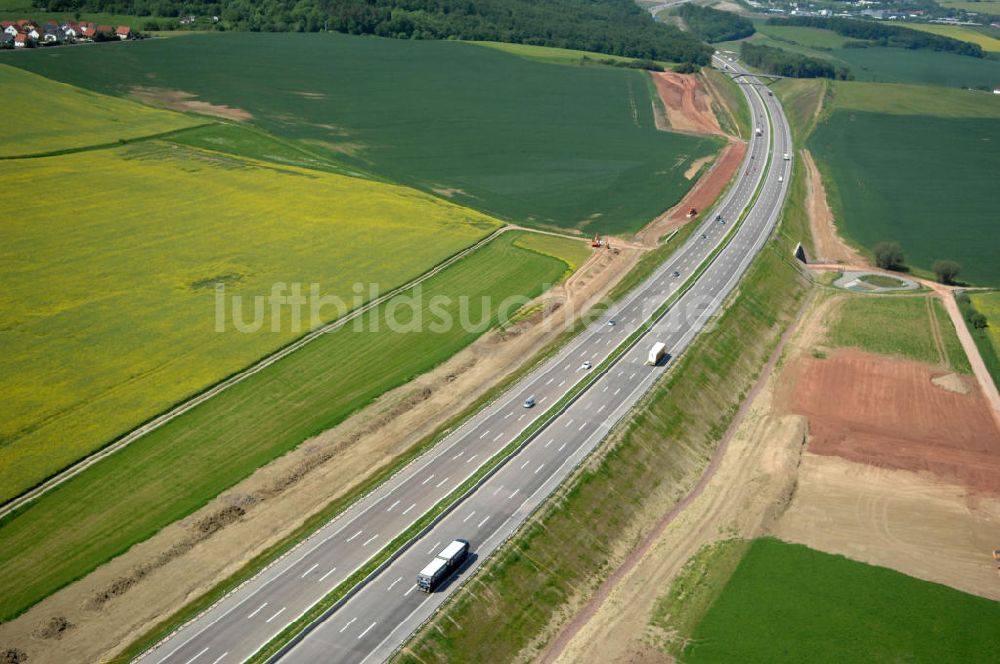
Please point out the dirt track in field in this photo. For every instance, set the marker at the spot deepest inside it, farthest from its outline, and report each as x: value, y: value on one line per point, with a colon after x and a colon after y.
x: 830, y: 247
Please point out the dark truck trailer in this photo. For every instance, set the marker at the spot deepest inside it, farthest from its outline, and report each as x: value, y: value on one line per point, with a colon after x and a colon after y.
x: 443, y: 565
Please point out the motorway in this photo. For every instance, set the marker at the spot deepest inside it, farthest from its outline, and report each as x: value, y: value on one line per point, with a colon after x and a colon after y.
x: 380, y: 615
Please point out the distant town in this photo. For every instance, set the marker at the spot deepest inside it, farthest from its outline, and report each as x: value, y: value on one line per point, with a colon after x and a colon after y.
x: 29, y: 34
x: 881, y: 10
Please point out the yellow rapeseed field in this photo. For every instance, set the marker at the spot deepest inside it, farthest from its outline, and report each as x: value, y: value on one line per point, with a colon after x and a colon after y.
x: 109, y: 264
x: 988, y: 304
x: 960, y: 33
x: 41, y: 116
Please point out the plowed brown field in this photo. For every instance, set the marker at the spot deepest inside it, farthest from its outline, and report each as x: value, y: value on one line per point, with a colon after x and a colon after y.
x: 689, y: 105
x: 888, y: 413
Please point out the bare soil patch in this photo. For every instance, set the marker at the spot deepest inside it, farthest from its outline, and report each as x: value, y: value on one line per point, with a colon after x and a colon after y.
x: 696, y: 166
x: 830, y: 247
x: 688, y: 104
x: 888, y: 413
x: 700, y: 197
x: 178, y: 100
x: 146, y: 584
x: 910, y: 522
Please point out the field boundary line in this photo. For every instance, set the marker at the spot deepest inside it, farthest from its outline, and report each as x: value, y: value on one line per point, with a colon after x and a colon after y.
x: 121, y: 142
x: 158, y: 421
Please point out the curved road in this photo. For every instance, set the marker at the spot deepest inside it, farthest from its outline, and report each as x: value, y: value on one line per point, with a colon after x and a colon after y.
x: 381, y: 614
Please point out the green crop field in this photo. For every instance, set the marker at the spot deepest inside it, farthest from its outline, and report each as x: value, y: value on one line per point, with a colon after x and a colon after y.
x: 979, y: 6
x: 175, y: 469
x: 788, y: 603
x: 882, y: 64
x: 901, y: 326
x: 72, y: 118
x: 573, y: 252
x: 540, y: 143
x: 988, y: 339
x: 109, y: 269
x: 922, y: 180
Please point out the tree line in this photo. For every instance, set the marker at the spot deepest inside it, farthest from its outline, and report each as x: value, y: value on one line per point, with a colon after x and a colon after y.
x: 784, y: 63
x: 714, y: 25
x: 883, y: 34
x: 613, y: 27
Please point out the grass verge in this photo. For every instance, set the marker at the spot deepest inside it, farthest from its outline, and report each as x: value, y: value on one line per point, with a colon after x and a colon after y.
x: 987, y: 338
x: 570, y: 546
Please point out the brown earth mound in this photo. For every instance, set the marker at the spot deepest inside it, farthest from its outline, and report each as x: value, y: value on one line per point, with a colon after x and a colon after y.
x: 689, y: 105
x: 889, y: 413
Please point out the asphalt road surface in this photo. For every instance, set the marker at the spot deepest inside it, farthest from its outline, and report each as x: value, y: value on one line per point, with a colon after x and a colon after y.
x: 379, y: 617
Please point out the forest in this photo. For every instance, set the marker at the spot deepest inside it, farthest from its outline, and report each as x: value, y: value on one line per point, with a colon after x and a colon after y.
x: 883, y: 34
x: 714, y: 25
x: 784, y: 63
x: 613, y: 27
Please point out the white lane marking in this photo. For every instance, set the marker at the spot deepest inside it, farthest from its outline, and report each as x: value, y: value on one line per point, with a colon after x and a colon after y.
x: 601, y: 409
x: 196, y: 656
x: 549, y: 381
x: 352, y: 537
x: 632, y: 376
x: 617, y: 391
x: 344, y: 628
x: 394, y: 583
x: 459, y: 454
x: 561, y: 384
x: 499, y: 489
x: 539, y: 468
x: 482, y: 522
x: 550, y: 442
x: 484, y: 434
x: 309, y: 570
x: 367, y: 629
x: 438, y: 485
x: 605, y: 388
x: 370, y: 539
x: 389, y: 508
x: 257, y: 610
x: 434, y: 548
x: 219, y: 658
x: 280, y: 611
x: 409, y: 508
x: 412, y: 588
x: 522, y: 417
x: 568, y: 422
x: 525, y: 464
x: 567, y: 366
x: 472, y: 458
x: 581, y: 426
x: 471, y: 514
x: 514, y: 493
x: 332, y: 570
x: 508, y: 415
x: 499, y: 436
x: 561, y: 447
x: 429, y: 478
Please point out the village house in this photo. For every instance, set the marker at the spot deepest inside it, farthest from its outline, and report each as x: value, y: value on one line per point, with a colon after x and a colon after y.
x: 124, y: 32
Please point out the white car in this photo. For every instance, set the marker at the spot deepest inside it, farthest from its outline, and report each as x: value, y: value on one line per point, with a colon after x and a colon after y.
x: 586, y: 366
x: 529, y: 402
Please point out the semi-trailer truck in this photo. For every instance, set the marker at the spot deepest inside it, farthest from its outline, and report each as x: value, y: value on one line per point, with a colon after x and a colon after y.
x: 443, y: 565
x: 656, y: 353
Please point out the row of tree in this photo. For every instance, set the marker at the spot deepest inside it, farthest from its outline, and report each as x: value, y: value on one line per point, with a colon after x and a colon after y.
x: 884, y: 34
x: 614, y: 27
x: 785, y: 63
x: 890, y: 256
x: 714, y: 25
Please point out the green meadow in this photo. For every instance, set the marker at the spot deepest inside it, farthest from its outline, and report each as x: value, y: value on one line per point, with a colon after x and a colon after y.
x: 788, y: 603
x: 914, y: 165
x: 536, y: 142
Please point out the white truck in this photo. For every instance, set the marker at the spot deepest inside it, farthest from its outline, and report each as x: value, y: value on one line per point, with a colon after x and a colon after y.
x: 786, y: 157
x: 443, y: 565
x: 656, y: 353
x: 759, y: 131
